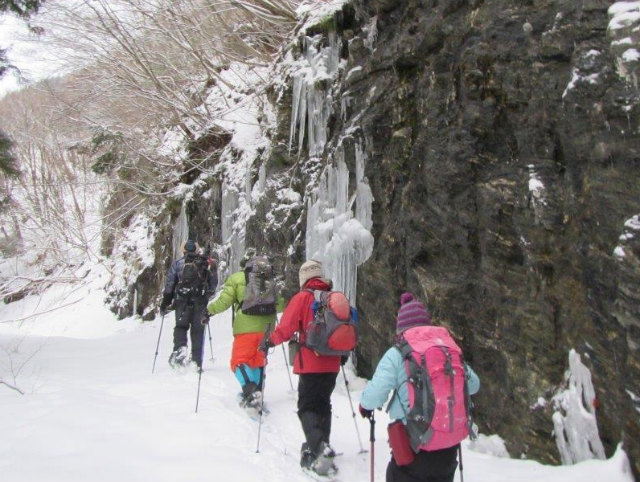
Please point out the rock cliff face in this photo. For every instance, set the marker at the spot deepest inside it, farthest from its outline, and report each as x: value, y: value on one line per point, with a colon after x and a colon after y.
x: 501, y: 146
x: 501, y: 141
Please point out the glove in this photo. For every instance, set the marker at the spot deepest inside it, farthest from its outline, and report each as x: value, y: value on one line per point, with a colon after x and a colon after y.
x: 205, y: 319
x: 166, y: 301
x: 364, y: 412
x: 344, y: 359
x: 265, y: 344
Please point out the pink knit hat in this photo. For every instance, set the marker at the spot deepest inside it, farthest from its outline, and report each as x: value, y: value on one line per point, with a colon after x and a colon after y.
x: 411, y: 313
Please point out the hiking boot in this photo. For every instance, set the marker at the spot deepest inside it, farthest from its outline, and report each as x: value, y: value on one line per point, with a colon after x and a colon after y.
x: 179, y: 358
x: 248, y: 389
x: 323, y: 464
x: 306, y: 456
x: 251, y: 395
x: 254, y: 400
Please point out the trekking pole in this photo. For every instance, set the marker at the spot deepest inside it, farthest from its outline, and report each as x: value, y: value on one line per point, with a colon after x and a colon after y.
x: 210, y: 342
x: 353, y: 413
x: 460, y: 457
x: 267, y: 332
x: 157, y: 345
x: 286, y: 365
x: 372, y: 439
x: 264, y: 379
x: 200, y: 367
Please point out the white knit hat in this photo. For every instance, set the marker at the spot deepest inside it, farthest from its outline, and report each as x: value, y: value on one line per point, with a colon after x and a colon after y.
x: 310, y: 269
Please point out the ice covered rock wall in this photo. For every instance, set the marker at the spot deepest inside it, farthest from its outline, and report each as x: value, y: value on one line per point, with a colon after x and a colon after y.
x: 500, y: 142
x: 484, y: 156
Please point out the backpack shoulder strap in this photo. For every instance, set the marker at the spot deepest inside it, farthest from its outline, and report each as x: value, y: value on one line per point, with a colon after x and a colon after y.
x: 317, y: 294
x: 404, y: 347
x: 400, y: 346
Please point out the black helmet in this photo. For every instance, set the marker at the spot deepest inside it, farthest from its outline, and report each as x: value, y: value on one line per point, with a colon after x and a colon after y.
x: 190, y: 246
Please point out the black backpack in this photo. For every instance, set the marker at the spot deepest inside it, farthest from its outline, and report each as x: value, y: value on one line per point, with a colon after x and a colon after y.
x: 193, y: 279
x: 261, y: 291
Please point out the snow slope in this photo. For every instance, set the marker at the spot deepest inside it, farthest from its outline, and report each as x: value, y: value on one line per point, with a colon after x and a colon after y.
x: 93, y: 411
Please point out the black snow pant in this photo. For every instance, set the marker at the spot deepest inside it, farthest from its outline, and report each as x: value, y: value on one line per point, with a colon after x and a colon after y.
x: 314, y: 407
x: 189, y: 316
x: 436, y: 466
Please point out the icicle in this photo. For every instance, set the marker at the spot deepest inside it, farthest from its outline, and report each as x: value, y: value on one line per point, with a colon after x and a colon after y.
x: 180, y: 232
x: 342, y: 186
x: 333, y: 54
x: 247, y: 185
x: 311, y: 103
x: 345, y: 104
x: 372, y: 33
x: 574, y: 420
x: 232, y: 236
x: 298, y: 83
x: 312, y: 124
x: 364, y: 196
x: 229, y: 204
x: 303, y: 116
x: 334, y: 235
x: 262, y: 179
x: 135, y: 302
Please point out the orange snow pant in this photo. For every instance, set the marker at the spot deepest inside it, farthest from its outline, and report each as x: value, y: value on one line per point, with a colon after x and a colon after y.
x: 245, y: 350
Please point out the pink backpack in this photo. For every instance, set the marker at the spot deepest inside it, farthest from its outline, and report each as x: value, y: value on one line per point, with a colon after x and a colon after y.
x: 439, y: 415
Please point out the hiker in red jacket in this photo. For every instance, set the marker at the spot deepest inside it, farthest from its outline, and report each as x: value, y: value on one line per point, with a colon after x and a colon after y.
x: 318, y: 373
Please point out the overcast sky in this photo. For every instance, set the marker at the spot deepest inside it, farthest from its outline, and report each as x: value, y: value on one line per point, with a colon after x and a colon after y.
x: 26, y: 51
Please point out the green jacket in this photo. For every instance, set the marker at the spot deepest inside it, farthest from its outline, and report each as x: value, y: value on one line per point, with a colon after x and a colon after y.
x: 232, y: 294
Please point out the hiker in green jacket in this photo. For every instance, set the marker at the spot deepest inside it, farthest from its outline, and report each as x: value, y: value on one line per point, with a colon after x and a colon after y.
x: 247, y: 361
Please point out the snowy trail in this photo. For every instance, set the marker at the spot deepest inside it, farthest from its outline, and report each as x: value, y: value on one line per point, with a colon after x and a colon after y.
x: 93, y: 411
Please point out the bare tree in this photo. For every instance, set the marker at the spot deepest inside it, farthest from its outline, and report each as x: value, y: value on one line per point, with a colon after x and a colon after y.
x: 55, y: 191
x: 157, y: 60
x: 13, y: 364
x: 137, y: 70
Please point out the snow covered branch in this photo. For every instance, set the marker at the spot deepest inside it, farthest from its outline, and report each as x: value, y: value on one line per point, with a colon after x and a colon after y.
x: 13, y: 366
x: 12, y: 387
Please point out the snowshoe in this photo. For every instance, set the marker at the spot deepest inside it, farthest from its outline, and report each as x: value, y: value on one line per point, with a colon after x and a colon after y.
x: 306, y: 456
x: 179, y: 358
x: 251, y: 396
x: 323, y: 464
x: 322, y: 478
x: 253, y: 405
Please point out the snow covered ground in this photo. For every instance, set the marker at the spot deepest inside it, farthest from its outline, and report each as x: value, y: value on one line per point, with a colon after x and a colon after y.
x: 93, y: 411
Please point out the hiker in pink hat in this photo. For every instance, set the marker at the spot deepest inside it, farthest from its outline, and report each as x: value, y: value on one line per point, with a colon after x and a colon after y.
x: 430, y: 404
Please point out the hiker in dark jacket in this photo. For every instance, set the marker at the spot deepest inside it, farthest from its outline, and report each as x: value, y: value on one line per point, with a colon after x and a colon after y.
x: 318, y: 373
x: 191, y: 308
x: 390, y: 375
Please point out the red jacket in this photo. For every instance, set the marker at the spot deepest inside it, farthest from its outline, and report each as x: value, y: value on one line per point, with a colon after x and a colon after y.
x: 295, y: 318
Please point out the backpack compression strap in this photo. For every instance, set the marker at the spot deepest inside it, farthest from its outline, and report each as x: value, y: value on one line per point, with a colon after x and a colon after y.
x: 420, y: 415
x: 468, y: 404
